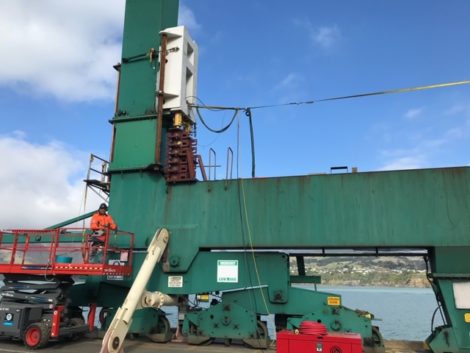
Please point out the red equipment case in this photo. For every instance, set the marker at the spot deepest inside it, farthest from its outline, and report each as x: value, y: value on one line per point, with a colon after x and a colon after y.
x: 290, y: 342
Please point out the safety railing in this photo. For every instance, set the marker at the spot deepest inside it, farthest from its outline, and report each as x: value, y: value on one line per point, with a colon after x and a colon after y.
x: 66, y: 251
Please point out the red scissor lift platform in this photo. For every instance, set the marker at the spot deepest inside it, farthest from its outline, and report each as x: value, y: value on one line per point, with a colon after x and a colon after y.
x: 65, y: 251
x: 38, y: 268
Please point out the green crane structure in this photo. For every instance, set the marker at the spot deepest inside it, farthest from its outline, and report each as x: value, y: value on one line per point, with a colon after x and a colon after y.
x: 223, y: 233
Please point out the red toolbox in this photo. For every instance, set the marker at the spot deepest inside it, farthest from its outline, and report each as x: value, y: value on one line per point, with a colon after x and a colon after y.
x: 319, y: 342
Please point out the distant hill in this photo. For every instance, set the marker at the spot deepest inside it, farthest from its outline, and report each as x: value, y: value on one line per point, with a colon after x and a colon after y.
x: 367, y: 271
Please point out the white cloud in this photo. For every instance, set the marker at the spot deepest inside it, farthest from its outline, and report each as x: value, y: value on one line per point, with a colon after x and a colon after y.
x: 41, y: 184
x: 292, y: 80
x: 414, y: 113
x: 187, y: 18
x: 407, y: 162
x: 455, y: 133
x: 458, y: 110
x: 290, y: 87
x: 424, y: 151
x: 427, y: 146
x: 63, y: 48
x: 325, y: 37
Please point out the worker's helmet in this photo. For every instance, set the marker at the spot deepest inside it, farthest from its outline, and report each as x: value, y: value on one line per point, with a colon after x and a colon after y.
x: 103, y: 205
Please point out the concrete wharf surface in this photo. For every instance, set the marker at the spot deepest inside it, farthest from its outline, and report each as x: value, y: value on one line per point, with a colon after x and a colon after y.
x: 89, y: 345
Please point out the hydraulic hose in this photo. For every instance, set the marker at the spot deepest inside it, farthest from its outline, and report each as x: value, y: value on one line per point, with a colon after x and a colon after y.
x: 312, y: 328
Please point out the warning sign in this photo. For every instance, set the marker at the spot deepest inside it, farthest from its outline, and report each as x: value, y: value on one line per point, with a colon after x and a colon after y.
x: 175, y: 281
x: 227, y: 271
x: 334, y: 301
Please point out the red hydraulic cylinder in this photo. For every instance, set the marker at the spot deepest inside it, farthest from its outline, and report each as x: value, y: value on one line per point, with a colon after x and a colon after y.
x: 56, y: 321
x: 91, y: 317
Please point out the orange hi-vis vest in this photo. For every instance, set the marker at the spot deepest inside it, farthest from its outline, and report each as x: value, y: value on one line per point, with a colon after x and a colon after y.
x: 101, y: 222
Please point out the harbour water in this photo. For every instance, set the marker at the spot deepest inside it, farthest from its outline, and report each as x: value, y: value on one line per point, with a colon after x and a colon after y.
x: 401, y: 313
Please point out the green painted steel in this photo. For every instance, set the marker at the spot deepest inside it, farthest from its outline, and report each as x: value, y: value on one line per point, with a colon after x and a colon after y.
x: 140, y: 151
x: 313, y: 305
x: 135, y: 136
x: 72, y: 220
x: 416, y: 208
x: 272, y: 269
x: 305, y: 279
x: 427, y: 209
x: 228, y: 320
x: 450, y: 266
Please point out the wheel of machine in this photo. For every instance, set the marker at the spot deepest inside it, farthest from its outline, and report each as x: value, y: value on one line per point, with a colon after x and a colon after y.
x: 36, y: 335
x: 195, y: 337
x: 261, y: 339
x: 102, y: 316
x: 74, y: 322
x: 77, y: 321
x: 133, y: 336
x: 161, y: 333
x: 377, y: 337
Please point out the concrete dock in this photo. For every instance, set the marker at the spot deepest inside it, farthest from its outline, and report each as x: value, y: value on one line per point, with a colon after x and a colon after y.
x: 89, y: 345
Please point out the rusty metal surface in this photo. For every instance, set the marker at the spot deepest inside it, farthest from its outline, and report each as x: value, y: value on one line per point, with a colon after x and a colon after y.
x: 181, y: 157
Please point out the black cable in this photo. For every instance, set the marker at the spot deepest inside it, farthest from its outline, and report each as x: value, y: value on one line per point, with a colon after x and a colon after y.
x: 252, y: 138
x: 433, y: 317
x: 225, y: 128
x: 211, y: 108
x: 435, y: 290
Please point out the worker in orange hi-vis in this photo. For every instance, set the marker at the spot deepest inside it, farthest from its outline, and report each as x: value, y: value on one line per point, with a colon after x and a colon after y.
x: 101, y: 223
x: 101, y: 220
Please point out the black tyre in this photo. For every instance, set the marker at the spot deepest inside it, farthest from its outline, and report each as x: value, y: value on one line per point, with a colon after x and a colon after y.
x: 74, y: 322
x: 260, y: 340
x: 161, y: 333
x: 36, y: 335
x: 102, y: 316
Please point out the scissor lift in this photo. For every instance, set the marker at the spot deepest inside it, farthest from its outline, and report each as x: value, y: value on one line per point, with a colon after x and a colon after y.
x: 38, y: 268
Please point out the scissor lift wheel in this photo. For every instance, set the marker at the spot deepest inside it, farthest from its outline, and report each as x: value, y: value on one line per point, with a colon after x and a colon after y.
x: 36, y: 335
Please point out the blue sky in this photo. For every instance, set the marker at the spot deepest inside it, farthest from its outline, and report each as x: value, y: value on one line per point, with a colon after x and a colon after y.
x: 57, y: 88
x: 311, y: 49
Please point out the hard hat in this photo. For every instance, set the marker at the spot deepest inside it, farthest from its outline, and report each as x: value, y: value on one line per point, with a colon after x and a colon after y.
x: 103, y: 205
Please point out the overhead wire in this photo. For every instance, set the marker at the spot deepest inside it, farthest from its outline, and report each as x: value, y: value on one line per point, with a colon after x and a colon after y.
x: 399, y: 90
x: 352, y: 96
